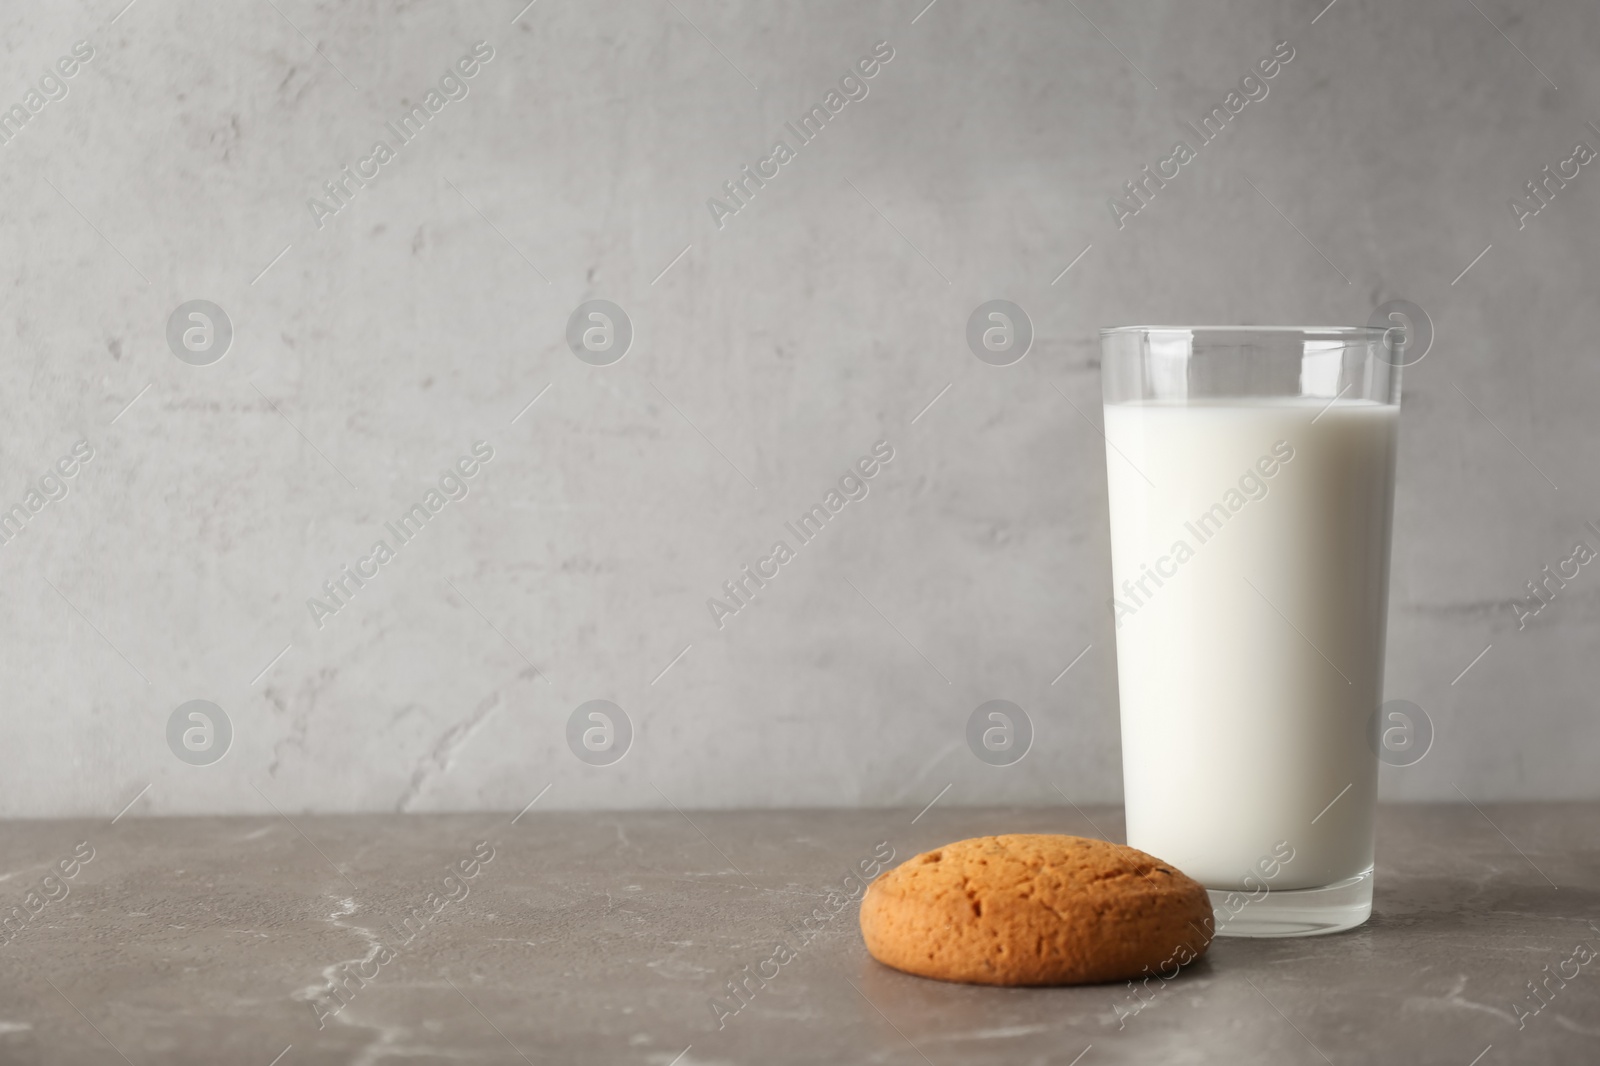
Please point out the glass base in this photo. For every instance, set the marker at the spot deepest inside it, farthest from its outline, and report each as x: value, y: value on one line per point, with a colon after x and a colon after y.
x: 1296, y: 912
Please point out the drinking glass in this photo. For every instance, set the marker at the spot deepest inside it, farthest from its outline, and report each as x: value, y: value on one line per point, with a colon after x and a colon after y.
x: 1251, y: 485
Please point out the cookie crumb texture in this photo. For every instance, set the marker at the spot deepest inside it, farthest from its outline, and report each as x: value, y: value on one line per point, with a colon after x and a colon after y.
x: 1035, y: 909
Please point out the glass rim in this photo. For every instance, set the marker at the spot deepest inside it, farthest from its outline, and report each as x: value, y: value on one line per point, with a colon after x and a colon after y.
x: 1340, y: 331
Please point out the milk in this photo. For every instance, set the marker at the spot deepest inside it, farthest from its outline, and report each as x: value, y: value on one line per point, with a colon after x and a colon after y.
x: 1250, y: 566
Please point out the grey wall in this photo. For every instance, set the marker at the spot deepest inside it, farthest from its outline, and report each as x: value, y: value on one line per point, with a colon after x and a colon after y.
x: 822, y: 318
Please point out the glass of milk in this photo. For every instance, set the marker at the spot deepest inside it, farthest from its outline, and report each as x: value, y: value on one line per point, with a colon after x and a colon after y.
x: 1251, y: 476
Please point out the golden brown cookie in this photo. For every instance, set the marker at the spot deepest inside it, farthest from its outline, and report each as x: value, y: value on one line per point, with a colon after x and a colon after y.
x: 1035, y: 909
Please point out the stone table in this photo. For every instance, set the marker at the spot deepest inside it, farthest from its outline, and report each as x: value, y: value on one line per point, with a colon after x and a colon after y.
x: 612, y: 937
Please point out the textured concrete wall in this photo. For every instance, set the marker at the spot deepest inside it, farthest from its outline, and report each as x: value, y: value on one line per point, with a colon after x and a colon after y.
x: 427, y: 311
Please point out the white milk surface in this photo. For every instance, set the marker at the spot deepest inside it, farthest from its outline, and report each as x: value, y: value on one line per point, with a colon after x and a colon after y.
x: 1251, y: 583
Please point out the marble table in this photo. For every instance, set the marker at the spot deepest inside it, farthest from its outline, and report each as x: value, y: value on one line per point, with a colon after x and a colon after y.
x: 614, y: 937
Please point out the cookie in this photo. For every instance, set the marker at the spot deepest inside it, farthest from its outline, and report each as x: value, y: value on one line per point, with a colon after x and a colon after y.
x: 1035, y: 909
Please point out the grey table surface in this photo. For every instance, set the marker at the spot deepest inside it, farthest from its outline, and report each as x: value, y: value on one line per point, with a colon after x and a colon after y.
x: 613, y: 936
